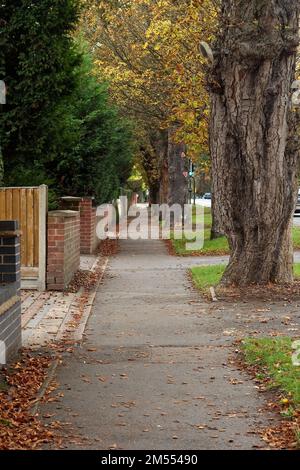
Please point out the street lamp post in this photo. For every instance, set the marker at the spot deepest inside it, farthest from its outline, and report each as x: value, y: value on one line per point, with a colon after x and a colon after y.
x: 192, y: 183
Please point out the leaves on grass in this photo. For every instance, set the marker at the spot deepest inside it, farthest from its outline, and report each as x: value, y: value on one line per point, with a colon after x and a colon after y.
x: 285, y: 433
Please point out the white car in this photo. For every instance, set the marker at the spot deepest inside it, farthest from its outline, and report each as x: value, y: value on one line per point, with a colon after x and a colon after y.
x: 205, y: 200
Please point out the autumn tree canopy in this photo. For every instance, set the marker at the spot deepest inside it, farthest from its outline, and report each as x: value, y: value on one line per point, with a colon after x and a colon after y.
x: 149, y: 52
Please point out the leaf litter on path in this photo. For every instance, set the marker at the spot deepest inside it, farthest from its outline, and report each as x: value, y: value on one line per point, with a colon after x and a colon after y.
x: 19, y: 430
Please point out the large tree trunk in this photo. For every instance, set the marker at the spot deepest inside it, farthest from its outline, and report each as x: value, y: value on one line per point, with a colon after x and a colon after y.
x: 216, y: 226
x: 216, y: 202
x: 154, y: 188
x: 159, y: 143
x: 178, y: 188
x: 253, y: 148
x: 164, y: 182
x: 150, y: 165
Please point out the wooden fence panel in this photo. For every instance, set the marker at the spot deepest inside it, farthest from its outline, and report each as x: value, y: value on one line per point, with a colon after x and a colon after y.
x: 29, y: 207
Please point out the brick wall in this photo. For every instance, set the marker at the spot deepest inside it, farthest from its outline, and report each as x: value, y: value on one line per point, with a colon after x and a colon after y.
x: 63, y: 248
x: 70, y: 203
x: 10, y: 301
x: 88, y: 238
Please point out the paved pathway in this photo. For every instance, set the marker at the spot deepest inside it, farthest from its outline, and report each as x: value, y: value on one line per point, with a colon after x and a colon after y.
x: 49, y: 316
x: 155, y: 370
x: 190, y: 261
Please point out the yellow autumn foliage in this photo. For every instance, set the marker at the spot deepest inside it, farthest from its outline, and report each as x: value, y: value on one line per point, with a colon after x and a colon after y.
x: 149, y: 52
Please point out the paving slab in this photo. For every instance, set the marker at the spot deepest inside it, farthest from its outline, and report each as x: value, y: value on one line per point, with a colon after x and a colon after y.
x: 156, y: 369
x: 46, y: 316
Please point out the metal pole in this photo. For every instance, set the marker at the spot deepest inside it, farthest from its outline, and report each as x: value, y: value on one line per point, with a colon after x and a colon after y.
x: 194, y: 181
x: 190, y: 190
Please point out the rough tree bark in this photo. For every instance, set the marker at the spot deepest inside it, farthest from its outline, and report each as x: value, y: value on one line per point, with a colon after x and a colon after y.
x: 159, y: 143
x: 216, y: 226
x: 164, y: 182
x: 154, y: 194
x: 254, y: 148
x: 149, y: 162
x: 178, y: 188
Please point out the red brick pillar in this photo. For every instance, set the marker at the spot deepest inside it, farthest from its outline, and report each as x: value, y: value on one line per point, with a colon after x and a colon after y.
x: 70, y: 203
x: 63, y: 248
x: 88, y: 240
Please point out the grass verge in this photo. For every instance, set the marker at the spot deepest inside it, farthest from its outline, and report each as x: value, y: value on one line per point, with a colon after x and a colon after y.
x: 273, y: 359
x: 210, y: 276
x: 270, y: 360
x: 218, y: 246
x: 210, y: 248
x: 207, y: 276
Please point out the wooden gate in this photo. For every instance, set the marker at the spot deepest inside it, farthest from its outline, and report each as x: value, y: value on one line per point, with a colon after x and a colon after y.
x: 29, y: 207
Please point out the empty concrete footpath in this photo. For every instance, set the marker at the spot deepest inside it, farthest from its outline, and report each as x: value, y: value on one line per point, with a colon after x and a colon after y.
x: 155, y: 369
